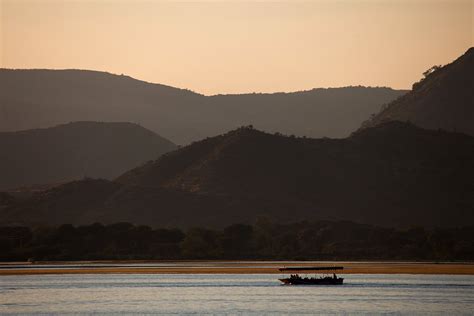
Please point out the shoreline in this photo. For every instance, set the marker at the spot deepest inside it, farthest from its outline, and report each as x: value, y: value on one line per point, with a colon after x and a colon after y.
x: 228, y: 267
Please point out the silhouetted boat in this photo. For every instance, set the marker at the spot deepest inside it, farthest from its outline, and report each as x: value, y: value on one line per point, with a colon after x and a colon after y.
x: 296, y: 279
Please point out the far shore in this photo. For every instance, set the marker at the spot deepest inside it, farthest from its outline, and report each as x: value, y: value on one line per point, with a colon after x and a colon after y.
x: 227, y: 267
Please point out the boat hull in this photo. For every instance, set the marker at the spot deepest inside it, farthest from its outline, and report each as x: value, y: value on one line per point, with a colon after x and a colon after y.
x: 327, y: 281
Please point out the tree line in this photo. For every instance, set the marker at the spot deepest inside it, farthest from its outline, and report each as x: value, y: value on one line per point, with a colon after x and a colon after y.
x: 319, y: 240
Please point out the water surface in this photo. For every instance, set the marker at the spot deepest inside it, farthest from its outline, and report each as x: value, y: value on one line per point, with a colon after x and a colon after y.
x: 233, y: 293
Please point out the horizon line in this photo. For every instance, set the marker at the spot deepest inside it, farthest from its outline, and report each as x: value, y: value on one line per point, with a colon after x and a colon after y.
x: 209, y: 95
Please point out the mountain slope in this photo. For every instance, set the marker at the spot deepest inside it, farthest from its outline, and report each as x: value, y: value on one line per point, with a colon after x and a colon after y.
x: 444, y: 99
x: 75, y: 150
x: 44, y: 98
x: 393, y: 174
x: 95, y: 200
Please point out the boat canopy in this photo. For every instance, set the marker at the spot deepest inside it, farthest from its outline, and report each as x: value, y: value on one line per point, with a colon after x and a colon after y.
x: 310, y: 268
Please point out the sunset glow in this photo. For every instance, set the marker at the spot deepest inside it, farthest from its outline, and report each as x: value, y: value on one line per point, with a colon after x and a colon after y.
x: 239, y: 46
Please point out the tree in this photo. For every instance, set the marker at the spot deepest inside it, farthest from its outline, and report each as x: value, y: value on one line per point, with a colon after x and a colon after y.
x: 200, y: 243
x: 237, y: 240
x: 431, y: 70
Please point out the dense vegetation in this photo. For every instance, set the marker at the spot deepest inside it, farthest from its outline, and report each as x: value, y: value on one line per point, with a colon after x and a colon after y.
x: 321, y: 240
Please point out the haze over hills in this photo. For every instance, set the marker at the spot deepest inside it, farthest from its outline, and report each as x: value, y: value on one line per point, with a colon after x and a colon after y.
x: 44, y: 98
x: 443, y: 99
x: 390, y: 173
x: 74, y: 151
x: 393, y: 174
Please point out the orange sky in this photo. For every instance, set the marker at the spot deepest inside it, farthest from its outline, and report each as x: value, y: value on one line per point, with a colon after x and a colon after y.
x: 239, y: 46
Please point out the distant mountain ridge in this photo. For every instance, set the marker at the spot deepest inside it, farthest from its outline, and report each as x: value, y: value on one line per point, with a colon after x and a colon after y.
x: 391, y: 172
x: 74, y: 151
x: 44, y: 98
x: 443, y: 99
x: 394, y: 174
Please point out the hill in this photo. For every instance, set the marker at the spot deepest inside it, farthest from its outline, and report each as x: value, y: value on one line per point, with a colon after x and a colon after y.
x: 394, y: 174
x: 44, y: 98
x: 74, y: 151
x: 443, y: 99
x: 98, y: 200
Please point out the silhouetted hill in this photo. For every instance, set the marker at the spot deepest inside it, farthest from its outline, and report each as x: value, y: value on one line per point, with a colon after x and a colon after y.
x: 96, y: 200
x: 44, y: 98
x: 393, y: 174
x: 75, y: 150
x: 390, y: 174
x: 443, y: 99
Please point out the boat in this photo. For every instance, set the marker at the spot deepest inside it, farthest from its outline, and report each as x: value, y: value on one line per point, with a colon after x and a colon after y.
x: 296, y: 279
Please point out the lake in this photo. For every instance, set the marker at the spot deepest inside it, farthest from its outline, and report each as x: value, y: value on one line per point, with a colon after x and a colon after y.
x: 234, y: 294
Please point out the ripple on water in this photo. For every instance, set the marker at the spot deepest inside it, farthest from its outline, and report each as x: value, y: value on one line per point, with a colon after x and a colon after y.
x: 255, y: 293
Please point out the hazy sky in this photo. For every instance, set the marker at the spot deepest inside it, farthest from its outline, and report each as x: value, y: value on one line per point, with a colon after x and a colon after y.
x: 239, y: 46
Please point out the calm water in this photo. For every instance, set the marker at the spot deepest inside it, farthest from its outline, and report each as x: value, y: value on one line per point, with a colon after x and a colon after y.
x: 234, y: 294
